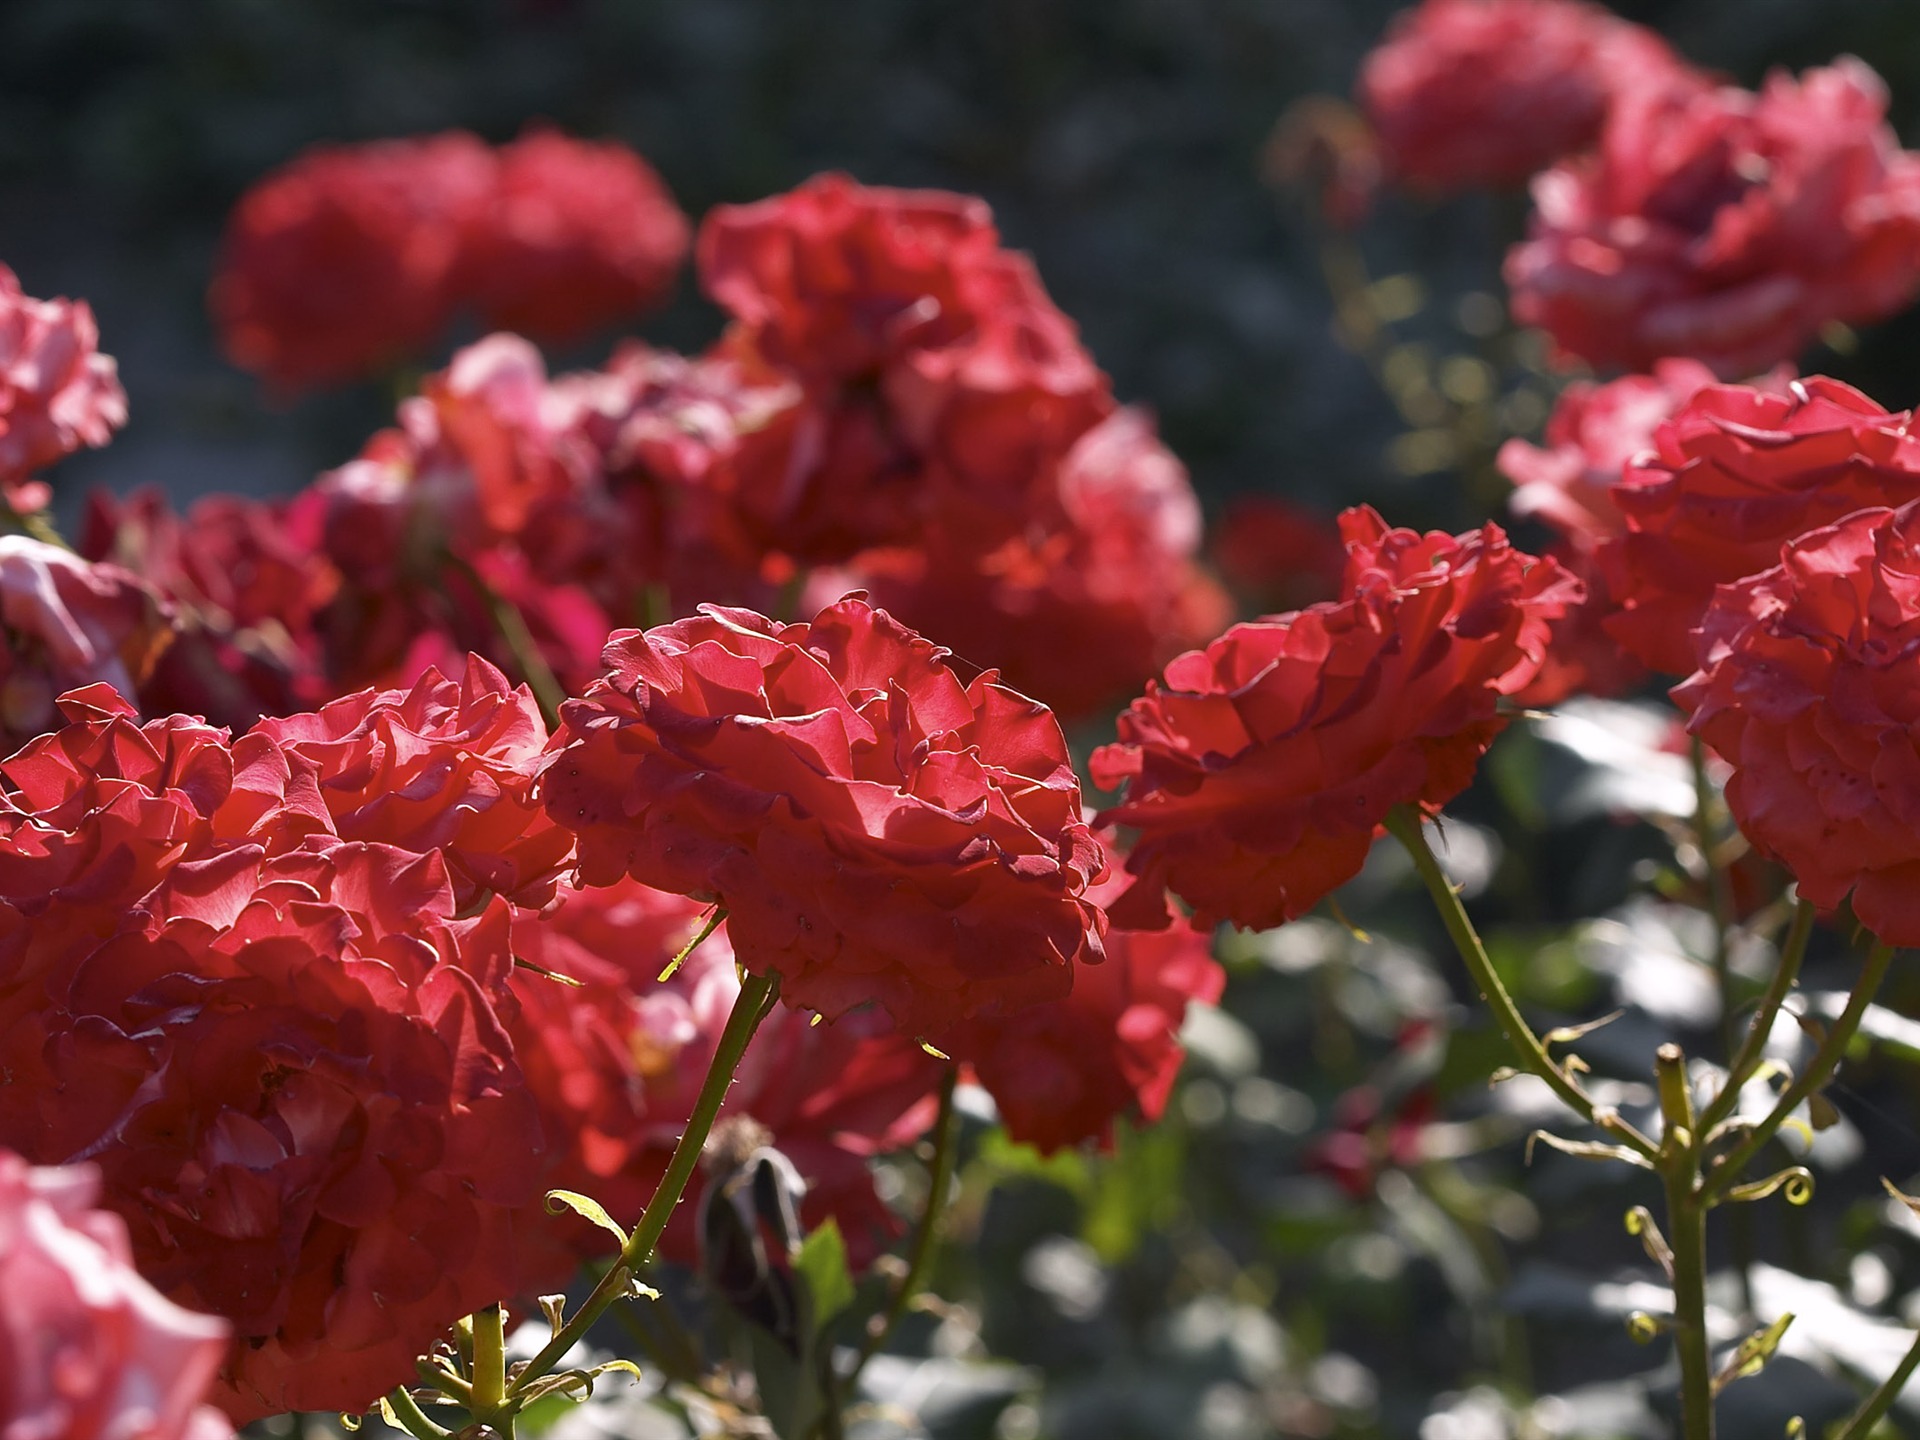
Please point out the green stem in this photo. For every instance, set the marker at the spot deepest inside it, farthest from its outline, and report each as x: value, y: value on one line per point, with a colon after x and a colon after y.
x: 1687, y: 1235
x: 1818, y: 1071
x: 412, y: 1418
x: 1403, y: 823
x: 757, y: 994
x: 1874, y: 1408
x: 1747, y: 1059
x: 489, y: 1360
x: 946, y: 1133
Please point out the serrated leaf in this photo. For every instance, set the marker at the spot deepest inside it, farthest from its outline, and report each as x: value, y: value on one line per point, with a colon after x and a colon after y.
x: 822, y: 1263
x: 560, y: 1201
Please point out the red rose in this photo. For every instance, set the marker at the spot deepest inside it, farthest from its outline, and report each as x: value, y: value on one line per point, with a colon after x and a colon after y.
x: 941, y: 381
x: 65, y: 624
x: 1723, y: 225
x: 1470, y: 93
x: 89, y: 1349
x: 57, y: 391
x: 580, y: 234
x: 320, y: 1131
x: 245, y: 589
x: 343, y: 262
x: 619, y: 1058
x: 1806, y: 687
x: 443, y: 766
x: 1100, y: 590
x: 1064, y: 1071
x: 1277, y: 555
x: 876, y: 830
x: 1259, y: 770
x: 1735, y: 474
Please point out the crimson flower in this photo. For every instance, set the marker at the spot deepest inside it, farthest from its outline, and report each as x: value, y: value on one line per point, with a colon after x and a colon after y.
x: 1724, y: 225
x: 1259, y: 770
x: 878, y: 829
x: 57, y: 391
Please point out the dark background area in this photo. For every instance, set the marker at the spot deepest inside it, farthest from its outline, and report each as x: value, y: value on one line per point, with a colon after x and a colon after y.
x: 1118, y: 140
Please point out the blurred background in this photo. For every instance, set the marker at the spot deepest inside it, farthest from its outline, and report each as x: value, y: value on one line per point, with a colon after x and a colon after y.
x: 1119, y: 141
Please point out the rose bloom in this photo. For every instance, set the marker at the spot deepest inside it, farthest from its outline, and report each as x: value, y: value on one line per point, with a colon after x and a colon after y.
x: 1065, y: 1071
x: 88, y: 1349
x: 1723, y: 225
x: 1259, y: 770
x: 940, y: 379
x: 579, y: 234
x: 65, y: 624
x: 446, y: 765
x: 1734, y: 475
x: 1479, y: 93
x: 342, y: 263
x: 1099, y: 592
x: 245, y: 588
x: 1275, y: 554
x: 877, y: 829
x: 57, y: 391
x: 1806, y: 687
x: 618, y: 1058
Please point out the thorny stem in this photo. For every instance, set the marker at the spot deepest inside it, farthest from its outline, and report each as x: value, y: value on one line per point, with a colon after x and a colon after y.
x: 946, y: 1133
x: 1818, y: 1071
x: 1874, y: 1408
x: 757, y: 994
x: 1403, y: 822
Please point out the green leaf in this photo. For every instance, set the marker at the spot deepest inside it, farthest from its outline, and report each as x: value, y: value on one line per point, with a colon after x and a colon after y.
x: 822, y: 1263
x: 560, y: 1201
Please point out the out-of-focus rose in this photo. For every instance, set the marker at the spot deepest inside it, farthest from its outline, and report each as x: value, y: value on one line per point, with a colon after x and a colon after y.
x: 65, y: 624
x: 941, y: 381
x: 245, y: 589
x: 1723, y: 225
x: 1098, y: 593
x: 1736, y: 474
x: 343, y: 262
x: 618, y: 1060
x: 1807, y: 688
x: 57, y: 391
x: 89, y: 1350
x: 1258, y: 771
x: 445, y: 766
x: 580, y: 234
x: 1276, y: 555
x: 1063, y: 1072
x: 1472, y: 93
x: 877, y: 830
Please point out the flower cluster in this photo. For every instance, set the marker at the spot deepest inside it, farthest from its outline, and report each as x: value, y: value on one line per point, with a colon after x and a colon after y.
x: 354, y: 258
